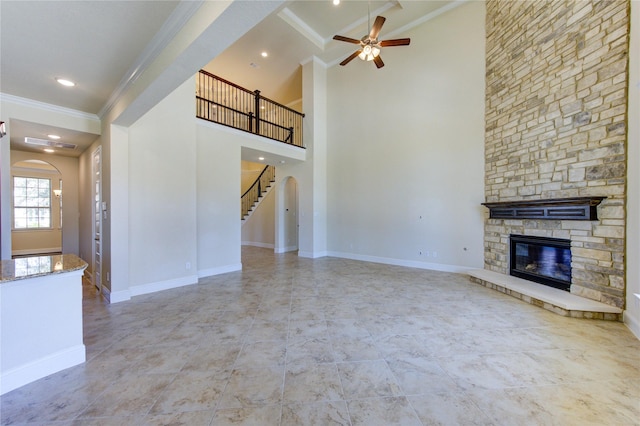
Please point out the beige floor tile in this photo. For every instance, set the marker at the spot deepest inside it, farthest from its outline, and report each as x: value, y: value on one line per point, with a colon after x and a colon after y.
x: 330, y: 413
x: 382, y: 411
x: 190, y: 391
x: 368, y: 379
x: 450, y: 408
x: 129, y: 396
x: 312, y: 383
x: 264, y: 415
x: 188, y: 418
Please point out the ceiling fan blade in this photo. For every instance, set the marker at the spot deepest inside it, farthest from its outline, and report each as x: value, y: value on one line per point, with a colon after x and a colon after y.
x: 395, y: 42
x: 378, y: 61
x: 350, y: 58
x: 377, y: 26
x: 347, y: 39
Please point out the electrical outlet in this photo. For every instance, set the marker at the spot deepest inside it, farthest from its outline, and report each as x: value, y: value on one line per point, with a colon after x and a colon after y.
x: 435, y: 254
x: 187, y: 265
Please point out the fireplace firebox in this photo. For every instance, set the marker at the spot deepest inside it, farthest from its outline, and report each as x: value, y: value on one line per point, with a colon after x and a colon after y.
x: 543, y: 260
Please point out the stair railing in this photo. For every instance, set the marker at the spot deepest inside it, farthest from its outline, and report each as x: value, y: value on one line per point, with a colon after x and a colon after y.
x: 259, y: 187
x: 223, y: 102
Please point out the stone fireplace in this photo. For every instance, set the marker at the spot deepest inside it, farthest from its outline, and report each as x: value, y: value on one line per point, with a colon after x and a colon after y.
x: 556, y: 121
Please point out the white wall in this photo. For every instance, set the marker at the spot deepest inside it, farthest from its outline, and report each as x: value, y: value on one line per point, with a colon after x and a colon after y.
x: 632, y: 312
x: 68, y: 167
x: 218, y: 199
x: 162, y: 195
x: 406, y: 148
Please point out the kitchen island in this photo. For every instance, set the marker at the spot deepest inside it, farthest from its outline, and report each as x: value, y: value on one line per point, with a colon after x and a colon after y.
x: 40, y: 317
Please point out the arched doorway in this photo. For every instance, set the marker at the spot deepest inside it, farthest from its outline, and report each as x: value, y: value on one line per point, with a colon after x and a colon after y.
x: 36, y: 208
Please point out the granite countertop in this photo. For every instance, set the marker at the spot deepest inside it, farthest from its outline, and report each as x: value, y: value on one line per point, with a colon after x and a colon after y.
x: 38, y: 266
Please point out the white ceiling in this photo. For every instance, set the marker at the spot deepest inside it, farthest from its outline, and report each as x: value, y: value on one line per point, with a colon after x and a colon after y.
x: 97, y: 44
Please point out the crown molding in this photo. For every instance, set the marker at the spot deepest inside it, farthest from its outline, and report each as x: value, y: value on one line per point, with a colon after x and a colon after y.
x: 17, y: 100
x: 176, y: 21
x: 299, y: 25
x: 313, y: 58
x: 426, y: 18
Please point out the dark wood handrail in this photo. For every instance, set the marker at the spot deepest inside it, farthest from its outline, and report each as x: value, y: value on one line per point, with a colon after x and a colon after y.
x: 255, y: 191
x: 227, y: 82
x: 256, y: 181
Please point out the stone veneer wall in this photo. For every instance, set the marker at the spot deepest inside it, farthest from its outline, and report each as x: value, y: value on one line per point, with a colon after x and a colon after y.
x: 556, y: 99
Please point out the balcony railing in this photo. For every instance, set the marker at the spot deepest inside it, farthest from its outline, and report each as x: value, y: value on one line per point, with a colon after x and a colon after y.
x: 226, y: 103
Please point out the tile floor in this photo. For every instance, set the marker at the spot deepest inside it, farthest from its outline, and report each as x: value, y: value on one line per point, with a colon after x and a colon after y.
x: 295, y: 341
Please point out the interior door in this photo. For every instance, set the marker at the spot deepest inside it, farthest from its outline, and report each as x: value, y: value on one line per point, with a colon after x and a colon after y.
x: 97, y: 217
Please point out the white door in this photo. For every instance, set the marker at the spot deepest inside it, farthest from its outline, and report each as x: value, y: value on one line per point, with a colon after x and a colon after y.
x: 96, y: 186
x: 291, y: 214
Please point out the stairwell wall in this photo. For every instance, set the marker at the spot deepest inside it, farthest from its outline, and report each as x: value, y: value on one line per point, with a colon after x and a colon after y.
x: 259, y: 228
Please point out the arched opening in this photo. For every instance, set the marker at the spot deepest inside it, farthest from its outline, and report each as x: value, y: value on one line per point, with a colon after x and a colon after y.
x: 36, y: 208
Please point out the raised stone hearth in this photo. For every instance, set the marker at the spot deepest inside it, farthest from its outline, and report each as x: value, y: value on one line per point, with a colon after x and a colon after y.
x: 551, y: 299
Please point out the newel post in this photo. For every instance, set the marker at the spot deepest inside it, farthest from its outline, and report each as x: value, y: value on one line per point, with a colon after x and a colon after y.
x: 257, y: 109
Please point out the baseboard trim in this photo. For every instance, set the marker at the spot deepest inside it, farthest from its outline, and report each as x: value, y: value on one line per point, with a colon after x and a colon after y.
x: 257, y: 244
x: 312, y: 254
x: 116, y: 296
x: 442, y: 267
x: 285, y: 249
x: 219, y: 270
x: 163, y: 285
x: 35, y: 370
x: 36, y: 252
x: 631, y: 323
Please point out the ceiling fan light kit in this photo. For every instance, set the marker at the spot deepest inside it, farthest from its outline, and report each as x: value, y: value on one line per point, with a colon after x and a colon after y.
x: 370, y: 46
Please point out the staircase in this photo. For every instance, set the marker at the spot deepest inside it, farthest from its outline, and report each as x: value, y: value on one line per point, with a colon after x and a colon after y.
x: 254, y: 194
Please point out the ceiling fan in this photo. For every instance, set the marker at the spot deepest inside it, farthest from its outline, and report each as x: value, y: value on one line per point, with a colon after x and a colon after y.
x: 370, y: 45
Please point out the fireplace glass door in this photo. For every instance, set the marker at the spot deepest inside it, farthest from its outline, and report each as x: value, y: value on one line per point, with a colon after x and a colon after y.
x: 543, y: 260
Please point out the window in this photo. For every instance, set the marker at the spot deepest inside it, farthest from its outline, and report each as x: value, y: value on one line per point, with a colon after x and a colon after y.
x: 31, y: 203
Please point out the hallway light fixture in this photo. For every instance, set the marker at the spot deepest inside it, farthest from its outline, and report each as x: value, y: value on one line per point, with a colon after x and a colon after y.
x: 3, y: 129
x: 57, y: 192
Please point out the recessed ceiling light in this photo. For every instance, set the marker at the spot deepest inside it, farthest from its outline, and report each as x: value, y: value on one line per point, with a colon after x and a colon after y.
x: 49, y: 150
x: 264, y: 54
x: 55, y: 137
x: 261, y: 158
x: 65, y: 82
x: 336, y: 2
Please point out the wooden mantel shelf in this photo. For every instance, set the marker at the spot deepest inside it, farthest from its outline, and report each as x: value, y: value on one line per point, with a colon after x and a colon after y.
x: 576, y: 208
